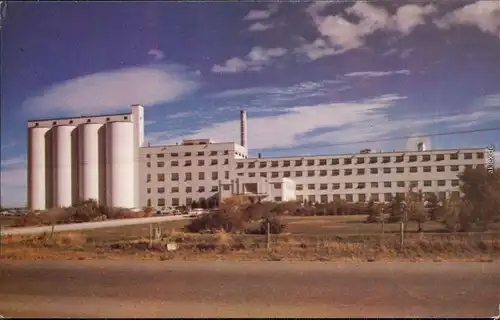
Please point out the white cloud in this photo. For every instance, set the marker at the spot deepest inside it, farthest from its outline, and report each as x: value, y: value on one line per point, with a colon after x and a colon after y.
x: 254, y: 60
x: 339, y: 35
x: 373, y: 74
x: 113, y: 90
x: 13, y: 180
x: 8, y: 145
x: 16, y: 161
x: 492, y: 101
x: 179, y: 115
x: 259, y: 26
x: 258, y: 15
x: 483, y: 14
x: 157, y: 54
x: 149, y: 122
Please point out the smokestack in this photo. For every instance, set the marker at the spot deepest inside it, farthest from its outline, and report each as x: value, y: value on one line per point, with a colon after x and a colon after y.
x: 243, y: 132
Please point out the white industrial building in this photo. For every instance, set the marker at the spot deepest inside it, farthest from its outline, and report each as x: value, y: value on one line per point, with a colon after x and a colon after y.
x: 103, y: 158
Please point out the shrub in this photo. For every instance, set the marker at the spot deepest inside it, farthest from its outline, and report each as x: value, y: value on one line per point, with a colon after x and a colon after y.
x: 276, y: 226
x: 218, y: 220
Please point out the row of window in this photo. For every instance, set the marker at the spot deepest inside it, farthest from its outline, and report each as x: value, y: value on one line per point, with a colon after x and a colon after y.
x: 189, y: 189
x: 187, y: 163
x: 188, y: 176
x: 385, y: 184
x: 362, y: 171
x: 190, y: 154
x: 370, y: 160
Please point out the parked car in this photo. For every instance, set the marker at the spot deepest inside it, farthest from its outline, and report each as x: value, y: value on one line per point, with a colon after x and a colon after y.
x: 196, y: 212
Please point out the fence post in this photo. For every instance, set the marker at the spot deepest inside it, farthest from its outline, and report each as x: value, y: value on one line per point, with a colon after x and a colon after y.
x: 150, y: 236
x: 1, y: 240
x: 268, y: 235
x: 402, y: 236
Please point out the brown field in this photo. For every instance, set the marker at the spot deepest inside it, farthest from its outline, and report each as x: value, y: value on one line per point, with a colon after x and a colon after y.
x: 7, y: 221
x: 330, y: 238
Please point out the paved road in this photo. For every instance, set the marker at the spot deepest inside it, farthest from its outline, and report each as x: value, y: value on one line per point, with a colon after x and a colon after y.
x: 91, y: 225
x: 247, y: 289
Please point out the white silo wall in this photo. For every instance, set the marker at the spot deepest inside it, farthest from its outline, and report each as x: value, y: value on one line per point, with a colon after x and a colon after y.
x: 88, y: 161
x: 120, y: 164
x: 36, y: 168
x: 63, y: 166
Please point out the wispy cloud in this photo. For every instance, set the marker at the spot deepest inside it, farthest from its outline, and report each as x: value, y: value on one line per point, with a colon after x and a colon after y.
x: 157, y: 54
x: 179, y: 115
x: 13, y: 179
x: 259, y: 26
x: 8, y: 145
x: 254, y: 60
x: 262, y: 14
x: 114, y: 90
x: 373, y: 74
x: 14, y: 162
x: 149, y: 122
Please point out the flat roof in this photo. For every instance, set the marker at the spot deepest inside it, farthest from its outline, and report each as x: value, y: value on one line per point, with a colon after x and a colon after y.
x: 83, y: 116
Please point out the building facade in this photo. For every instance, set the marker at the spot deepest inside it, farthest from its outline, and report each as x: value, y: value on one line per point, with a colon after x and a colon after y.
x: 103, y: 158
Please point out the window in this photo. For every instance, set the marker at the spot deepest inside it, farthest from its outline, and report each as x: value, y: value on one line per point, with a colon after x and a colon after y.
x: 274, y: 164
x: 173, y: 155
x: 148, y: 190
x: 335, y: 161
x: 348, y: 197
x: 277, y: 199
x: 201, y: 163
x: 455, y: 183
x: 148, y: 164
x: 251, y: 165
x: 213, y: 153
x: 427, y: 169
x: 160, y: 177
x: 440, y: 169
x: 175, y: 176
x: 215, y: 175
x: 187, y: 154
x: 160, y: 164
x: 298, y: 173
x: 160, y: 190
x: 387, y: 184
x: 347, y: 172
x: 323, y: 198
x: 161, y: 202
x: 298, y: 163
x: 360, y: 172
x: 373, y: 159
x: 348, y: 185
x: 322, y: 162
x: 374, y: 170
x: 160, y: 155
x: 400, y: 170
x: 200, y: 153
x: 401, y: 184
x: 360, y: 160
x: 413, y: 169
x: 214, y: 189
x: 347, y: 161
x: 336, y: 186
x: 188, y: 176
x: 175, y: 189
x: 441, y: 183
x: 412, y: 159
x: 439, y: 157
x: 286, y: 174
x: 413, y: 184
x: 387, y: 170
x: 189, y: 201
x: 480, y: 155
x: 454, y: 168
x: 263, y: 164
x: 299, y: 187
x: 310, y: 173
x: 374, y: 197
x: 226, y: 187
x: 323, y: 186
x: 226, y: 152
x: 213, y: 162
x: 311, y: 186
x: 274, y: 174
x: 187, y: 163
x: 239, y: 165
x: 386, y: 159
x: 148, y: 177
x: 361, y: 197
x: 148, y: 156
x: 454, y: 156
x: 149, y: 203
x: 441, y: 195
x: 374, y: 184
x: 387, y: 197
x: 189, y: 189
x: 286, y: 163
x: 311, y: 198
x: 251, y: 174
x: 400, y: 158
x: 263, y: 174
x: 336, y: 197
x: 361, y: 185
x: 427, y: 183
x: 226, y: 175
x: 240, y: 174
x: 468, y: 166
x: 468, y: 156
x: 201, y: 175
x: 174, y: 163
x: 335, y: 172
x: 322, y: 173
x: 175, y: 202
x: 310, y: 163
x: 201, y: 189
x: 426, y: 157
x: 300, y: 198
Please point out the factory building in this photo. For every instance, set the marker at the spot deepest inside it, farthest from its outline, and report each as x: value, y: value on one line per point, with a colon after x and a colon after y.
x: 103, y: 158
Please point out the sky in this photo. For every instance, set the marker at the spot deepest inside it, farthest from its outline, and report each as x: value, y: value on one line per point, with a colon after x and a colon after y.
x: 315, y: 77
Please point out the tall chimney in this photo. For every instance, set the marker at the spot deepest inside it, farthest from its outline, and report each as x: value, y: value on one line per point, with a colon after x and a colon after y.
x: 243, y: 132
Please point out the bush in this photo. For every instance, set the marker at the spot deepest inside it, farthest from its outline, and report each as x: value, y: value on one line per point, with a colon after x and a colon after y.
x: 276, y: 226
x: 218, y: 220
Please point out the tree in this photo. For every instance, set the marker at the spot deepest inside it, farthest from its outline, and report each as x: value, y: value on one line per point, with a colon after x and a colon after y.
x: 203, y: 203
x: 372, y: 212
x: 415, y: 208
x: 194, y: 204
x: 396, y: 209
x: 432, y: 206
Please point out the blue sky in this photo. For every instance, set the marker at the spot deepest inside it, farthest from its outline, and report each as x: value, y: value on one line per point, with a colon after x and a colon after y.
x: 314, y: 77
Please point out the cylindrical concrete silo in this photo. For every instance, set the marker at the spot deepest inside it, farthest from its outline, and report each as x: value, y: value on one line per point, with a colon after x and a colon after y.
x: 120, y: 164
x: 63, y: 165
x: 36, y: 168
x: 88, y: 161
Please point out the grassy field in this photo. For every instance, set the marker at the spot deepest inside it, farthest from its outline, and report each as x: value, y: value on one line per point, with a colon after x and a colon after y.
x: 7, y: 221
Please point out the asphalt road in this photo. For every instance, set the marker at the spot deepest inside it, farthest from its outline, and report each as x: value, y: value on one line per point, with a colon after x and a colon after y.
x: 91, y: 225
x: 247, y: 289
